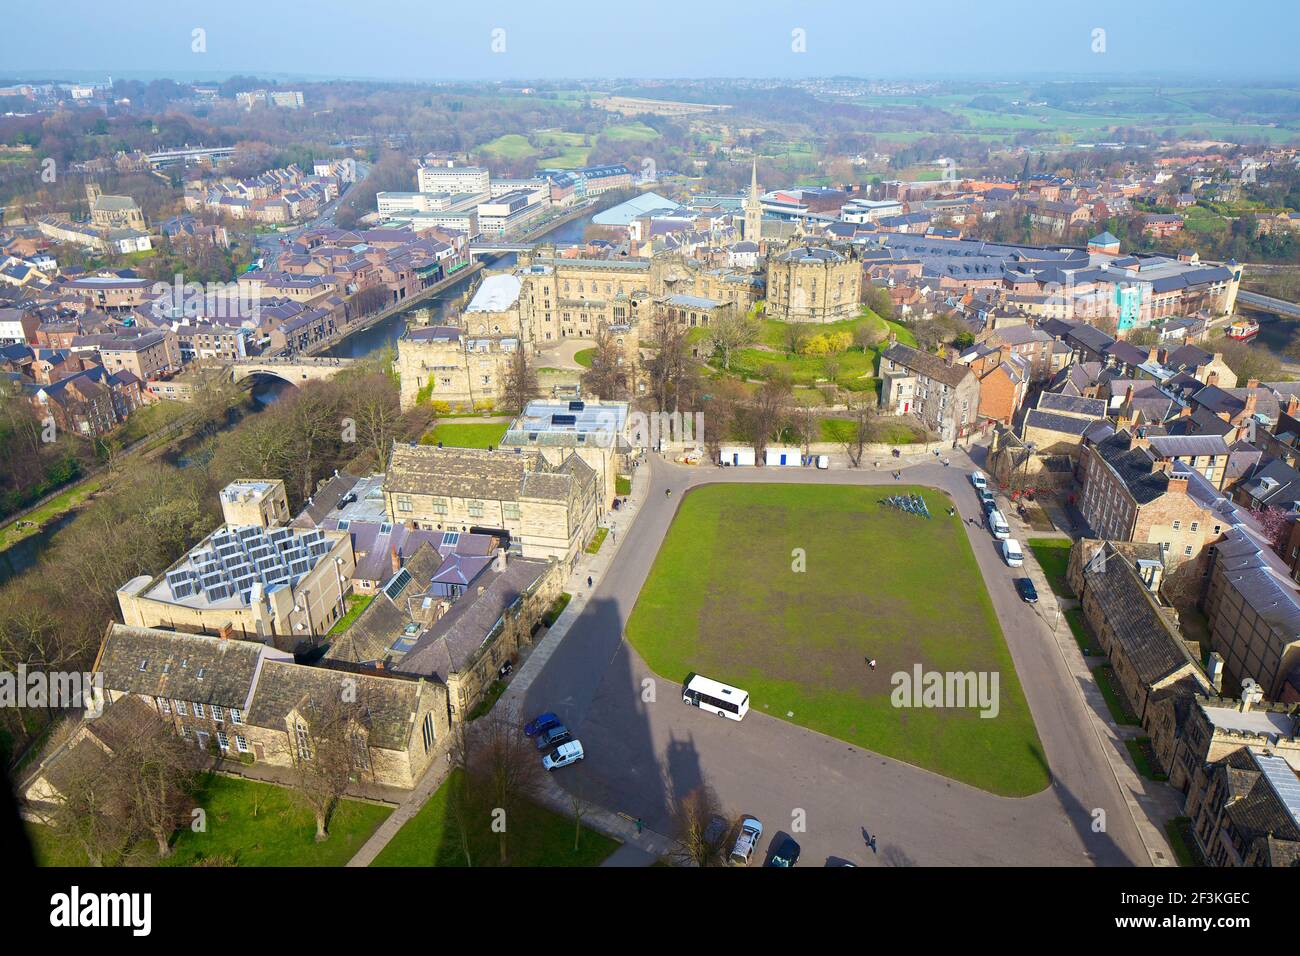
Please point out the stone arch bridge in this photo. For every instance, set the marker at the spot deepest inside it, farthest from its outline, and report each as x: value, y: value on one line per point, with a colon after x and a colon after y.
x: 293, y: 369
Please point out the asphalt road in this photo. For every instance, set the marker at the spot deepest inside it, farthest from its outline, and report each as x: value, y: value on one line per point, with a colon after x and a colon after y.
x: 640, y: 754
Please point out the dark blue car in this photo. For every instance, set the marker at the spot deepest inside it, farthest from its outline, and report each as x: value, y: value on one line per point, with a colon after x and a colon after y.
x: 540, y: 723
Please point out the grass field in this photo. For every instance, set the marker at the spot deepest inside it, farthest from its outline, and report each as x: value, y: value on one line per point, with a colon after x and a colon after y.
x: 584, y: 357
x: 248, y: 824
x: 722, y: 600
x: 538, y: 837
x: 467, y: 434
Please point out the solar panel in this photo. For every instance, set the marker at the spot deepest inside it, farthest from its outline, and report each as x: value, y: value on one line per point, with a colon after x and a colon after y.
x: 450, y: 539
x: 1282, y: 778
x: 397, y: 584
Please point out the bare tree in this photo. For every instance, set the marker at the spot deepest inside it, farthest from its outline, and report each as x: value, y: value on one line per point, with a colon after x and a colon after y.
x: 731, y: 330
x: 331, y: 745
x: 769, y: 411
x: 796, y: 334
x: 504, y: 768
x: 670, y: 372
x: 521, y: 380
x: 702, y: 828
x: 159, y: 774
x: 377, y: 414
x: 863, y: 412
x: 608, y: 376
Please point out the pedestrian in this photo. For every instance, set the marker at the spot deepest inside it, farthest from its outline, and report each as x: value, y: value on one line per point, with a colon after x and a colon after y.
x: 872, y: 844
x: 640, y: 825
x: 872, y: 663
x: 589, y: 582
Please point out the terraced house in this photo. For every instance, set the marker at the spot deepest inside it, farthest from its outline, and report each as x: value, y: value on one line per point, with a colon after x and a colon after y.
x: 942, y: 394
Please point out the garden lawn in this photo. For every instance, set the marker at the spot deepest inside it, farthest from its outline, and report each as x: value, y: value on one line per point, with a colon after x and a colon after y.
x: 467, y: 435
x: 537, y: 836
x: 722, y: 600
x: 248, y: 824
x: 1053, y: 556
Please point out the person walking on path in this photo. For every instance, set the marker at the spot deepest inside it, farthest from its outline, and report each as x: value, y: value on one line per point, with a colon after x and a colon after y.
x: 640, y: 826
x: 589, y: 582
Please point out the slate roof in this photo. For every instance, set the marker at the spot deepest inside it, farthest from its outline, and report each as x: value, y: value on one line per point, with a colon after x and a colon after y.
x: 1177, y: 446
x: 1072, y: 405
x: 923, y: 363
x: 1142, y: 630
x: 1067, y: 424
x: 1133, y: 465
x: 390, y: 703
x: 193, y: 667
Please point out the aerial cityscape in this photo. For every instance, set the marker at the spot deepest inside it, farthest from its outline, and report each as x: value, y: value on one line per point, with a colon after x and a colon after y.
x: 412, y: 445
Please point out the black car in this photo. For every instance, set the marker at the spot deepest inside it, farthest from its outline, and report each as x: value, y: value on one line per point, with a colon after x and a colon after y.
x: 1025, y: 588
x: 786, y: 854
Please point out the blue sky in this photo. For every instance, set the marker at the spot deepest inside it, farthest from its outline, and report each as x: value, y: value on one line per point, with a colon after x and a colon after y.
x: 451, y: 39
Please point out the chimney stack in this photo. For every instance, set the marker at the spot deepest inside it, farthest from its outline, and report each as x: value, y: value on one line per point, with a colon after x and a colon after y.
x: 1216, y: 671
x: 1252, y: 400
x: 501, y: 559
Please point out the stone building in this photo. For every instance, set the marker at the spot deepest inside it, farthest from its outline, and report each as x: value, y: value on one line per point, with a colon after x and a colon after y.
x: 1118, y: 586
x: 440, y: 363
x: 546, y: 510
x: 245, y: 700
x: 453, y: 619
x: 279, y: 585
x: 1244, y: 809
x: 809, y: 283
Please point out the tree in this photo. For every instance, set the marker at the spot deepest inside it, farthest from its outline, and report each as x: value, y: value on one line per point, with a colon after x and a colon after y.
x: 502, y: 766
x: 521, y: 381
x: 731, y: 330
x: 159, y: 771
x: 877, y: 299
x: 863, y: 412
x: 868, y: 335
x: 769, y: 410
x: 796, y: 333
x: 331, y: 745
x: 377, y: 414
x: 608, y: 376
x: 1248, y: 361
x: 701, y: 827
x: 1276, y: 523
x: 670, y: 373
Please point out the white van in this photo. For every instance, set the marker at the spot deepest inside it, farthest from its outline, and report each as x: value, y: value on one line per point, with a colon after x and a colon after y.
x: 1012, y: 554
x: 998, y: 525
x: 978, y: 480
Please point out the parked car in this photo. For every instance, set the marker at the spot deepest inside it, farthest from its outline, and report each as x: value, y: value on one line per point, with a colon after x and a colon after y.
x: 987, y: 499
x: 553, y: 736
x: 1012, y: 554
x: 1025, y: 588
x: 787, y: 854
x: 539, y: 723
x: 564, y: 755
x: 751, y: 829
x: 978, y: 480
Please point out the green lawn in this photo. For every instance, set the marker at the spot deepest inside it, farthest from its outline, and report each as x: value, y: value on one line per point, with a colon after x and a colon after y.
x: 250, y: 824
x: 32, y: 523
x: 1119, y: 710
x: 622, y: 485
x: 597, y: 539
x: 1053, y: 556
x: 723, y: 600
x: 537, y: 837
x: 467, y: 435
x: 1179, y: 831
x: 1079, y: 628
x: 1139, y: 750
x: 584, y: 357
x: 557, y: 608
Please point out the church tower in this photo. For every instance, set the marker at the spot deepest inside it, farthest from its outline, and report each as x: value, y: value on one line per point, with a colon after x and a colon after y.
x: 753, y: 210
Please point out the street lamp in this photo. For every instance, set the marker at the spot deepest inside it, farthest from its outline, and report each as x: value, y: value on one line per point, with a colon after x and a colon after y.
x: 338, y: 573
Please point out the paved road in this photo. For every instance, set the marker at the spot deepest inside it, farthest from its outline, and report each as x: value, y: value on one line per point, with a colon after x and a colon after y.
x: 639, y: 754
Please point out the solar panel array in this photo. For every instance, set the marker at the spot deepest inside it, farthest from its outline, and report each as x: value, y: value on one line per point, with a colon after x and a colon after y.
x: 237, y: 558
x: 1283, y: 780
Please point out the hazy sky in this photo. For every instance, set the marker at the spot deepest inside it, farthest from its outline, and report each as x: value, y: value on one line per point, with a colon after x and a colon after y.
x: 453, y: 39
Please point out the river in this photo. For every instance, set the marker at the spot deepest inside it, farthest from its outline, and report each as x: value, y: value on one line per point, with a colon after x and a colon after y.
x: 384, y: 334
x: 23, y: 555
